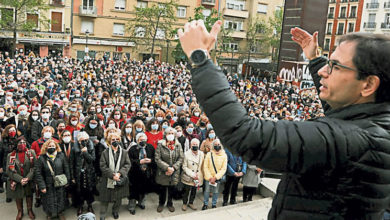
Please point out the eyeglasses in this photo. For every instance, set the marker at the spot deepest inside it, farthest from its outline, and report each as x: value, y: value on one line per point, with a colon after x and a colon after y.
x: 332, y: 63
x: 22, y: 142
x: 112, y: 140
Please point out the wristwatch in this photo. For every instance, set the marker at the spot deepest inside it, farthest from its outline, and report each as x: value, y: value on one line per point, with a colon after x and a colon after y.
x: 198, y: 57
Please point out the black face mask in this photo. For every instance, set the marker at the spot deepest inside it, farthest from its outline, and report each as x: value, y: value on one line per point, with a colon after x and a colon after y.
x: 92, y: 112
x: 195, y: 148
x: 51, y: 150
x: 168, y: 117
x: 115, y: 144
x: 84, y: 143
x: 142, y: 143
x: 217, y: 147
x: 202, y: 124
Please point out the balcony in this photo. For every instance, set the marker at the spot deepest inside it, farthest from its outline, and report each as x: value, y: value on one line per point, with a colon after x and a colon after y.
x: 208, y: 2
x: 329, y: 33
x: 387, y: 5
x: 374, y: 5
x: 57, y: 3
x: 89, y: 11
x: 330, y: 15
x: 239, y: 34
x: 332, y: 1
x: 342, y: 16
x: 340, y: 32
x: 344, y: 1
x: 385, y: 26
x: 352, y: 16
x: 353, y: 0
x: 236, y: 13
x: 369, y: 25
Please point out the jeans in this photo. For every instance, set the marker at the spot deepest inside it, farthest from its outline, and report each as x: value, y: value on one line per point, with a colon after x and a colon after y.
x: 386, y: 216
x: 207, y: 191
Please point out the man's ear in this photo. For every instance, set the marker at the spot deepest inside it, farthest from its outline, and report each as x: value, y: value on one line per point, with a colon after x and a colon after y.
x: 371, y: 86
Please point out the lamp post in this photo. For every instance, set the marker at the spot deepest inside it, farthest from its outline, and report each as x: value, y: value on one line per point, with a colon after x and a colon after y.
x: 167, y: 49
x: 86, y: 45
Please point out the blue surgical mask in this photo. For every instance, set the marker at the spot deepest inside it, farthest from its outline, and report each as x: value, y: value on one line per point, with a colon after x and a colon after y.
x: 92, y: 126
x: 138, y: 130
x: 154, y: 126
x: 164, y: 126
x: 190, y: 130
x: 212, y: 135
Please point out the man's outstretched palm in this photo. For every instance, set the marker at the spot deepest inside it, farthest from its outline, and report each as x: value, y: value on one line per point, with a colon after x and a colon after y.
x: 308, y: 42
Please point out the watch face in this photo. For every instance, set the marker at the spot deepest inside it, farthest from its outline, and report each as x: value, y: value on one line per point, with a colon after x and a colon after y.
x: 198, y: 56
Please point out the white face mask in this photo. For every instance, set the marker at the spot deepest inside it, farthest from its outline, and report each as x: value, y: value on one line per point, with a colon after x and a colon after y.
x: 117, y: 117
x: 132, y: 109
x: 47, y: 135
x: 128, y: 130
x: 33, y: 117
x: 1, y: 114
x: 196, y: 114
x: 111, y: 126
x: 66, y: 139
x: 179, y: 134
x: 170, y: 137
x: 74, y: 123
x: 45, y: 116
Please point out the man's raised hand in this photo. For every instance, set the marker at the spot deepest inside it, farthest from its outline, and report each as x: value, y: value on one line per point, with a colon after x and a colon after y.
x: 308, y: 42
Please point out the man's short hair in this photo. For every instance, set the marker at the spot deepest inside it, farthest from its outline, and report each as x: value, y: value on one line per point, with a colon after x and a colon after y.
x: 372, y: 58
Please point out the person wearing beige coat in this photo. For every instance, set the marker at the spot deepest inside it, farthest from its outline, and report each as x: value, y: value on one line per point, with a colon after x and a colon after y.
x: 192, y: 176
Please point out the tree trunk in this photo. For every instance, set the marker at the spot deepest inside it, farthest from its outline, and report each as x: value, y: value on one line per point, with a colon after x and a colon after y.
x: 247, y: 64
x: 13, y: 47
x: 154, y: 37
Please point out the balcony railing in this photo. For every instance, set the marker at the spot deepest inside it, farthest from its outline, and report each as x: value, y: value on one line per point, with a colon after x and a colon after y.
x: 88, y: 10
x: 344, y: 1
x: 387, y: 5
x: 352, y: 16
x: 340, y: 32
x: 353, y: 0
x: 332, y: 1
x: 369, y: 25
x: 342, y: 16
x: 330, y: 15
x: 385, y: 26
x: 208, y: 2
x: 374, y: 5
x: 57, y: 3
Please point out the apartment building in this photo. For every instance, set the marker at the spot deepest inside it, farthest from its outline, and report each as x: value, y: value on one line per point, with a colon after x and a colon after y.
x: 376, y: 17
x: 344, y: 16
x: 44, y: 39
x: 236, y: 15
x: 100, y: 28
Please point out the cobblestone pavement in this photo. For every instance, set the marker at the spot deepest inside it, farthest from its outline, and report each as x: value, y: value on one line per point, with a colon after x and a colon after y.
x: 258, y: 209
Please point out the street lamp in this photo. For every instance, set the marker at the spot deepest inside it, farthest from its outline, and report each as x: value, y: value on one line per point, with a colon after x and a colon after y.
x: 86, y: 45
x: 167, y: 49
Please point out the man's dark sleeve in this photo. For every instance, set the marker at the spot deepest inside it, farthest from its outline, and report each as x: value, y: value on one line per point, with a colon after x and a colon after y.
x: 314, y: 66
x: 282, y: 146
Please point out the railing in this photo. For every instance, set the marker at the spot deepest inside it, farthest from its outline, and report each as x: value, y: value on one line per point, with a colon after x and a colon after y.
x: 208, y: 2
x: 353, y: 0
x: 385, y: 26
x: 352, y: 15
x: 374, y: 5
x: 57, y: 2
x: 330, y: 15
x: 332, y: 1
x: 344, y: 1
x: 88, y: 10
x: 369, y: 25
x: 387, y: 5
x: 342, y: 16
x: 340, y: 32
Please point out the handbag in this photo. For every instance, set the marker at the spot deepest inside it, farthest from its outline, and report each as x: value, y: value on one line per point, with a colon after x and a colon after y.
x: 223, y: 179
x: 59, y: 180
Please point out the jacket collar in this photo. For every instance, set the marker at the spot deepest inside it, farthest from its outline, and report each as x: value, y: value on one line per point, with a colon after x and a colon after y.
x: 361, y: 111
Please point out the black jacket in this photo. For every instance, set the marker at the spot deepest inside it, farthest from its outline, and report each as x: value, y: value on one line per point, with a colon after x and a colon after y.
x: 37, y: 126
x: 335, y: 167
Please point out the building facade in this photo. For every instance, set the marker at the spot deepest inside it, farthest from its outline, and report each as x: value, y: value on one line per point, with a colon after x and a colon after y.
x: 376, y: 17
x: 344, y: 16
x: 102, y: 27
x: 236, y: 15
x: 46, y: 37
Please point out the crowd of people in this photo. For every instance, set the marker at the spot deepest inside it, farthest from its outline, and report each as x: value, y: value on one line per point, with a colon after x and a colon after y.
x: 73, y: 132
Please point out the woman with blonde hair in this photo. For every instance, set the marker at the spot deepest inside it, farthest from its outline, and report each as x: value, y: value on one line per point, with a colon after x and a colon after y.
x: 51, y: 165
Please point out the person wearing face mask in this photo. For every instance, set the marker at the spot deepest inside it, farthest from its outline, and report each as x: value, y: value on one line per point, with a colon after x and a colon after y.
x: 192, y: 177
x: 84, y: 172
x: 195, y: 115
x: 33, y: 116
x: 74, y: 124
x: 113, y: 185
x: 169, y: 159
x: 214, y: 168
x: 7, y: 145
x: 20, y: 169
x: 142, y: 172
x: 38, y: 125
x: 52, y: 163
x: 41, y: 98
x: 127, y: 136
x: 190, y: 132
x: 67, y: 147
x: 20, y: 120
x: 154, y: 132
x: 202, y: 127
x: 184, y: 142
x: 3, y: 117
x: 117, y: 117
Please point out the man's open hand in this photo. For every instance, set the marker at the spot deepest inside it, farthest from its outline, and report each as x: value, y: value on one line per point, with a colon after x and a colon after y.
x: 195, y: 36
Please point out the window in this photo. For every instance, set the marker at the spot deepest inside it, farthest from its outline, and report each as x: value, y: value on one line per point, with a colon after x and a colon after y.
x: 231, y: 46
x: 262, y: 8
x: 371, y: 18
x: 342, y: 12
x: 87, y: 4
x: 235, y: 5
x: 56, y: 21
x: 7, y: 16
x: 234, y: 25
x: 331, y: 13
x: 351, y: 27
x: 327, y: 44
x: 387, y: 19
x: 181, y: 12
x: 140, y: 32
x: 340, y: 29
x: 87, y: 26
x: 329, y: 29
x: 353, y: 12
x: 119, y: 29
x: 160, y: 33
x: 206, y: 12
x: 141, y: 4
x: 120, y: 4
x: 33, y: 20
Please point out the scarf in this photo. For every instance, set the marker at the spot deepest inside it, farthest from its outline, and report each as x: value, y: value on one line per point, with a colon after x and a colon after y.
x: 13, y: 160
x: 142, y: 152
x: 171, y: 145
x: 67, y: 150
x: 52, y: 156
x: 114, y: 167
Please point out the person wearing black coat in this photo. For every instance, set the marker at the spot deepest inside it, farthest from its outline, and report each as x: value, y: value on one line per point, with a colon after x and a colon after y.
x: 67, y: 147
x: 84, y: 172
x: 96, y: 134
x: 53, y: 198
x: 142, y: 172
x: 334, y: 167
x: 44, y: 120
